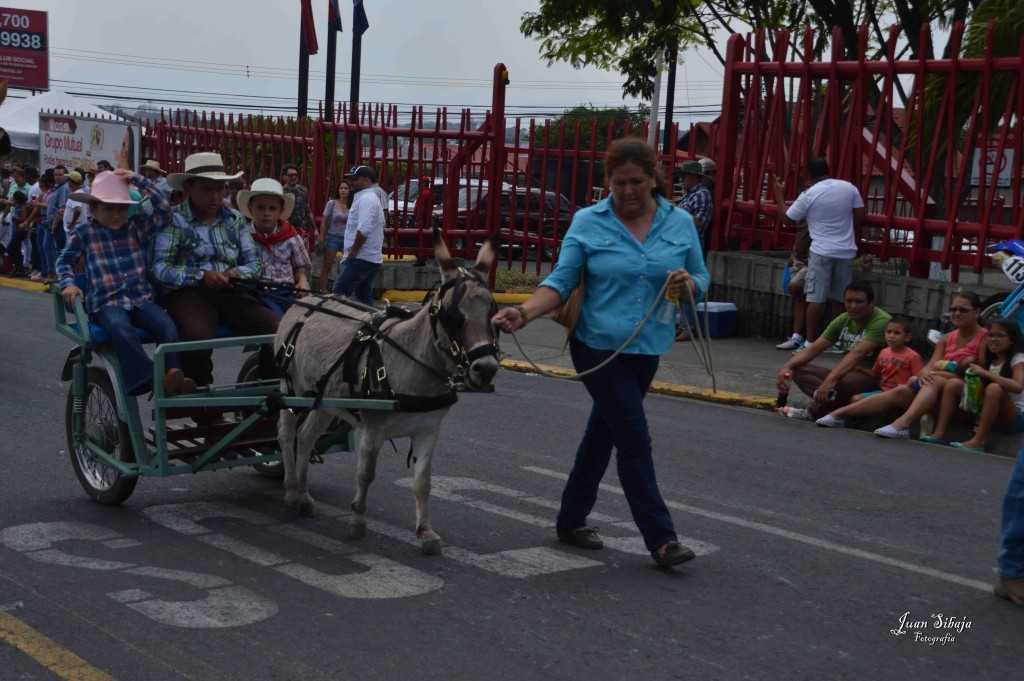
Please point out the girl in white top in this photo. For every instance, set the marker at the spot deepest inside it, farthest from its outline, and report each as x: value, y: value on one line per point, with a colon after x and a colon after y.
x: 332, y: 230
x: 1001, y: 368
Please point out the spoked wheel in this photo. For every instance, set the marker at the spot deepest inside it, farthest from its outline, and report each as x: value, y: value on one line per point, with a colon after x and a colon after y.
x: 104, y: 429
x: 250, y: 372
x: 990, y: 306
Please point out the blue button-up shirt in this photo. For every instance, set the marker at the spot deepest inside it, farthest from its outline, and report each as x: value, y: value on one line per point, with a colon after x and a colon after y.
x: 623, y: 276
x: 59, y: 200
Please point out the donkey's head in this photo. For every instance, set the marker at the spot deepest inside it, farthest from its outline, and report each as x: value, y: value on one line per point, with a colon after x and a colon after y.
x: 463, y: 307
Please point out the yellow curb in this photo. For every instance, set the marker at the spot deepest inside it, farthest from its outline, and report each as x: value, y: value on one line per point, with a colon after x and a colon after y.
x: 419, y: 296
x: 24, y: 285
x: 663, y: 388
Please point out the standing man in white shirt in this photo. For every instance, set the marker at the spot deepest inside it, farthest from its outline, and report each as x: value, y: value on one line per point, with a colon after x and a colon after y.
x: 364, y: 239
x: 75, y: 212
x: 832, y: 208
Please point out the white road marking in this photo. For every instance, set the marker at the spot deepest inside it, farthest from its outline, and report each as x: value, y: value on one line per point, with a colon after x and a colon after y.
x: 224, y: 605
x: 796, y: 536
x: 384, y: 579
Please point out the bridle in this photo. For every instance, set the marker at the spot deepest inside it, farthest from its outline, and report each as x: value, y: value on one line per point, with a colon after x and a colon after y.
x: 452, y: 320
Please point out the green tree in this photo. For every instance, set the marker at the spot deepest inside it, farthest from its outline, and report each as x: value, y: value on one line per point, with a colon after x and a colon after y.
x: 586, y: 115
x: 627, y: 35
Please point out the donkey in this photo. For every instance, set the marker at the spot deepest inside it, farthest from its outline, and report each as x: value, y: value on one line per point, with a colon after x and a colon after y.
x: 453, y: 330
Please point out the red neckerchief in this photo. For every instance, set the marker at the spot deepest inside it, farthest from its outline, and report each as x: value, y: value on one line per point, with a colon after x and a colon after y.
x: 283, y: 232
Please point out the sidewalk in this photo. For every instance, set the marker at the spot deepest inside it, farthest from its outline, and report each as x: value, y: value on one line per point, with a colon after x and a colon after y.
x: 744, y: 368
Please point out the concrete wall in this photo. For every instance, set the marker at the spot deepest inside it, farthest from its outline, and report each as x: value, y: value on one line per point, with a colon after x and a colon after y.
x: 753, y: 281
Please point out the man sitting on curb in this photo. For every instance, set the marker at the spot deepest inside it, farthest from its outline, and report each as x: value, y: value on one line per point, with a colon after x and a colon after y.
x: 860, y: 331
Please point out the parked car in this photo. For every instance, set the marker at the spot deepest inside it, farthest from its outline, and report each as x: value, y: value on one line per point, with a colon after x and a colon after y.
x: 532, y: 219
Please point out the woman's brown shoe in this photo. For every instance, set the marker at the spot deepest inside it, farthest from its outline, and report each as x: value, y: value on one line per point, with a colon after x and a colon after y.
x: 674, y: 554
x: 583, y: 537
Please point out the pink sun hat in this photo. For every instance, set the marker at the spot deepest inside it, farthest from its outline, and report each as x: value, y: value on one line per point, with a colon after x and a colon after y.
x: 107, y: 188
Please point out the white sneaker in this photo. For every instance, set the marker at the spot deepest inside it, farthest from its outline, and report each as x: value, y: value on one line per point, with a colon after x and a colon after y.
x: 789, y: 344
x: 803, y: 346
x: 829, y: 422
x: 796, y: 413
x: 835, y: 349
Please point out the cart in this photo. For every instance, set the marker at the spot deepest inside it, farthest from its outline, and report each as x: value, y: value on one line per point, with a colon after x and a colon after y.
x: 111, y: 449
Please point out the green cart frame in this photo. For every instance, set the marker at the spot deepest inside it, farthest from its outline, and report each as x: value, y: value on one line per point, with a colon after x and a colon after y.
x: 110, y: 449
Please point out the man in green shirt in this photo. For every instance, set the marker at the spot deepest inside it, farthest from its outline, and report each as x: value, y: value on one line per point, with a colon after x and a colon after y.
x: 860, y: 332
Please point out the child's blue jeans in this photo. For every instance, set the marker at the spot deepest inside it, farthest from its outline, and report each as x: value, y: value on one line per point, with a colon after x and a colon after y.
x: 136, y: 366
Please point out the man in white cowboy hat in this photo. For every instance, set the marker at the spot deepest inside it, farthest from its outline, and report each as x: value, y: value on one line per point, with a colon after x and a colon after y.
x: 285, y: 259
x: 194, y: 259
x: 120, y: 297
x: 152, y: 171
x: 364, y: 239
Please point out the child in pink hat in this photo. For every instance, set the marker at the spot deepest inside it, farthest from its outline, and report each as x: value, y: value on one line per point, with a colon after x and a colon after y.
x: 120, y: 297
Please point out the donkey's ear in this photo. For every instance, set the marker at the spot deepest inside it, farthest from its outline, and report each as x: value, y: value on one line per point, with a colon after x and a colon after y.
x: 485, y: 258
x: 443, y: 256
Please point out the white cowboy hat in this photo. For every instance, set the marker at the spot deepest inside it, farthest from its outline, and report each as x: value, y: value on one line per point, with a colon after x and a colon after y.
x: 205, y: 165
x: 152, y: 165
x: 266, y: 187
x: 107, y: 188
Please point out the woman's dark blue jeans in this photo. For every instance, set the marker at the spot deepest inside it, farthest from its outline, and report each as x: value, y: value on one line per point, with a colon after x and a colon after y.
x: 1011, y: 558
x: 616, y: 419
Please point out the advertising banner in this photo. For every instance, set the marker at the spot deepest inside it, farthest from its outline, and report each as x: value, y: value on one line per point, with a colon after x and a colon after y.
x: 81, y: 142
x: 24, y: 49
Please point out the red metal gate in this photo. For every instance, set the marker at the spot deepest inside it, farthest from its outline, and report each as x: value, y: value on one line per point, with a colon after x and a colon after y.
x: 917, y: 165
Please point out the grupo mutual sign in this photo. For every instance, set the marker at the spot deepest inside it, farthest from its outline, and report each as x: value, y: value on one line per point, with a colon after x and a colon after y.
x: 82, y: 142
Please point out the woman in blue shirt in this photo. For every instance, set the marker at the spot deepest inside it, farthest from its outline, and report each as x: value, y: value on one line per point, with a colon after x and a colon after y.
x: 623, y: 248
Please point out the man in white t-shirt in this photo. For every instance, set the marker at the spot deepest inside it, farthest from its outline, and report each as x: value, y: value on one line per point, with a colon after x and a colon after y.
x: 75, y: 212
x: 832, y: 208
x: 364, y: 239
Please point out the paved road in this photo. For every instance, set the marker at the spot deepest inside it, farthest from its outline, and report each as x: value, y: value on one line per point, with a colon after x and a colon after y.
x: 811, y: 548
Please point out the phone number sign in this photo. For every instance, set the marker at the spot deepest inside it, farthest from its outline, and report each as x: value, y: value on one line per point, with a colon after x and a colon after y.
x: 24, y: 49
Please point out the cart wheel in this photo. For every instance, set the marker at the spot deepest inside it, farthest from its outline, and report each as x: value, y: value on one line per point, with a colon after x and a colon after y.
x: 110, y: 433
x: 990, y: 307
x: 250, y: 372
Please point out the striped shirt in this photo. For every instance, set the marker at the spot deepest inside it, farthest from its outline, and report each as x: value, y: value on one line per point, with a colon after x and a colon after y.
x: 180, y: 250
x: 114, y: 265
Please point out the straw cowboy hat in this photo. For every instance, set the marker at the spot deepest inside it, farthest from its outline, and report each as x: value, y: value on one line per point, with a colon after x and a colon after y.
x: 206, y: 165
x: 152, y: 165
x: 107, y: 188
x: 266, y: 187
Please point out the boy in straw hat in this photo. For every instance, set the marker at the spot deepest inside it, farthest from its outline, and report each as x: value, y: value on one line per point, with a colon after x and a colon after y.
x: 120, y: 297
x: 194, y: 259
x: 285, y: 259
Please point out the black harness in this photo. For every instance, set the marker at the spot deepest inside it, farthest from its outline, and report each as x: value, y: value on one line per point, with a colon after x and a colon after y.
x: 366, y: 347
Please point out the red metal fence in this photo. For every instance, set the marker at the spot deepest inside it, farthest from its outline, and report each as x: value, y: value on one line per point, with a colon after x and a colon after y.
x: 521, y: 177
x: 908, y: 133
x: 915, y: 160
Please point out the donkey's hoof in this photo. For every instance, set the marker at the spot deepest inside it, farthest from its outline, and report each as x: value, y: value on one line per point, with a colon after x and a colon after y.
x: 307, y: 510
x: 356, y: 530
x: 430, y: 547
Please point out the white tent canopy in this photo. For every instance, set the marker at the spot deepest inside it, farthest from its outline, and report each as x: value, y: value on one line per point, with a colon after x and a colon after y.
x: 20, y: 117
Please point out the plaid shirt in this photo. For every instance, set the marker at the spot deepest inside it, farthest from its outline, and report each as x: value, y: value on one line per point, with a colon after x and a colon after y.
x: 282, y: 259
x: 180, y: 250
x: 698, y: 203
x: 114, y: 267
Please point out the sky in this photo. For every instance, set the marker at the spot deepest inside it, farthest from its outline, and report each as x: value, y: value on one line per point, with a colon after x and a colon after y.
x: 232, y: 52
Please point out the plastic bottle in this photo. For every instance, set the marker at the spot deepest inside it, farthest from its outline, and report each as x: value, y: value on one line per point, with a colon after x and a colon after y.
x: 783, y: 397
x: 794, y: 413
x: 667, y: 311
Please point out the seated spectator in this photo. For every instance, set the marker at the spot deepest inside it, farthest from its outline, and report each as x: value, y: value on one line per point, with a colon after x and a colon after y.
x: 896, y: 365
x: 284, y: 256
x: 860, y: 332
x: 120, y: 297
x: 194, y: 258
x: 954, y: 352
x: 1001, y: 368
